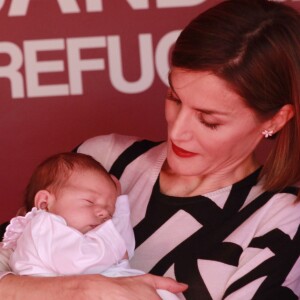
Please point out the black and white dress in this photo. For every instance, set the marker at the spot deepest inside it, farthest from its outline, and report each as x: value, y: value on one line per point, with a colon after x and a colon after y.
x: 239, y: 242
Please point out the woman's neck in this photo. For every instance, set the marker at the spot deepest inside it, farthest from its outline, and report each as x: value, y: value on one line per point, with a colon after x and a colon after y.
x: 176, y: 185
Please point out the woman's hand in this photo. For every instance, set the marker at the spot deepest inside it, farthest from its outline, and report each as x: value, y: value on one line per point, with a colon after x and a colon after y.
x: 86, y: 287
x: 133, y: 288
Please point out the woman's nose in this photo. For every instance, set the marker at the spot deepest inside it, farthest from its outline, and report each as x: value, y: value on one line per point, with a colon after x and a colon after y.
x: 180, y: 128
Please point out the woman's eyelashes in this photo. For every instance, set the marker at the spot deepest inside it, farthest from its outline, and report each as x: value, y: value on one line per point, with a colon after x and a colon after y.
x: 207, y: 124
x: 210, y: 125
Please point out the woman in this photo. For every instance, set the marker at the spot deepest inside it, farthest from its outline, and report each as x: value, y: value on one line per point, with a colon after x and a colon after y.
x: 204, y: 211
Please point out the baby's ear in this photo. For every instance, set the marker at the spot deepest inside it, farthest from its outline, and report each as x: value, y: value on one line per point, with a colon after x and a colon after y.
x: 117, y: 183
x: 42, y: 199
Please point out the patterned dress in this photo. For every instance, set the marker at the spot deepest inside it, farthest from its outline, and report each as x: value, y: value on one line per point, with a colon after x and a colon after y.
x: 238, y: 242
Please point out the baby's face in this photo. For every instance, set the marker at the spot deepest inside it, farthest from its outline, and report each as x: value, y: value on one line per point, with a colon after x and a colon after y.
x: 86, y: 200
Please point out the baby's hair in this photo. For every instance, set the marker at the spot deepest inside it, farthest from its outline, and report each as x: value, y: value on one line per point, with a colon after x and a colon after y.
x: 54, y: 172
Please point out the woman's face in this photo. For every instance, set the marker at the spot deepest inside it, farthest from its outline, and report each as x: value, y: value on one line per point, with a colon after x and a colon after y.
x: 210, y: 129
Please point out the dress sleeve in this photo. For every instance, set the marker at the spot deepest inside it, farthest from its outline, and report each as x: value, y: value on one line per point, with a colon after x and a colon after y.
x: 269, y: 267
x: 50, y: 247
x: 106, y: 148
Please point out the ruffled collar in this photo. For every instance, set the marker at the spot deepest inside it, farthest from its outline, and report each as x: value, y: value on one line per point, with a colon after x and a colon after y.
x: 16, y: 227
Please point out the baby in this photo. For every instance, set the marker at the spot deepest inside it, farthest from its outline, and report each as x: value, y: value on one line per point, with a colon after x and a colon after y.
x: 75, y: 223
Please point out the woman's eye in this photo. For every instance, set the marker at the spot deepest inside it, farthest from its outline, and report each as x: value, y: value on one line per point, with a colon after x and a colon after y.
x: 210, y: 125
x: 171, y: 97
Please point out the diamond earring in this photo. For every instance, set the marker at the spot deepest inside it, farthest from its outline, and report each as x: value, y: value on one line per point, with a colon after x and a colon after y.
x: 267, y: 133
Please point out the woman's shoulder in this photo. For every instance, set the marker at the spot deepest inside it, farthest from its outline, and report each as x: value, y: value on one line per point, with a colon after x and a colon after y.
x: 106, y: 148
x: 285, y: 204
x: 279, y: 210
x: 112, y: 139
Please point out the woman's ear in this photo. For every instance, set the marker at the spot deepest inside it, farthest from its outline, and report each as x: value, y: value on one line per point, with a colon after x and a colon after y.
x: 42, y: 199
x: 279, y: 120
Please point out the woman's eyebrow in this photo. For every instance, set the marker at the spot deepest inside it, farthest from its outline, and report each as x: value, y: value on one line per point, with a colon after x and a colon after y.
x: 204, y: 111
x: 171, y: 85
x: 211, y: 112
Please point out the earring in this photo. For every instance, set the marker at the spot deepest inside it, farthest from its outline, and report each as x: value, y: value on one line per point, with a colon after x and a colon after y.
x: 267, y: 133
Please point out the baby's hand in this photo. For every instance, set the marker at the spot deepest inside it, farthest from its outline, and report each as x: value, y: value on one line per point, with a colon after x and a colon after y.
x: 125, y: 255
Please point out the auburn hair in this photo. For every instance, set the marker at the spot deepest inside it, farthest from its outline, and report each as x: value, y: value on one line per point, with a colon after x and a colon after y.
x: 254, y: 46
x: 54, y: 172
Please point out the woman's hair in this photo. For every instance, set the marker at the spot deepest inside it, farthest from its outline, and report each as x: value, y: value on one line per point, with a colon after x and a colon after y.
x: 254, y: 45
x: 54, y: 172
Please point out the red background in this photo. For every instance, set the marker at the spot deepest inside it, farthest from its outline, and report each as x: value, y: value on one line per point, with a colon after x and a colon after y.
x: 32, y: 128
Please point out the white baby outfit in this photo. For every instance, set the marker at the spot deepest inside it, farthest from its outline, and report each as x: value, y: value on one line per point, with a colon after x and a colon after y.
x: 43, y: 245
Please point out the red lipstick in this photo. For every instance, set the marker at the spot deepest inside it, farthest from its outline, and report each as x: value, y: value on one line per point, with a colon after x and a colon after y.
x: 181, y: 152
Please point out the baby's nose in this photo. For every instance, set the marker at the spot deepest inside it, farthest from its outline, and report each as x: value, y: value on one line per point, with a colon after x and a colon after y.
x: 103, y: 213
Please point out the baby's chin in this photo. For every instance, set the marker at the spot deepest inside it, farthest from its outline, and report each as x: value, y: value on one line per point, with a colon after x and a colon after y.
x: 87, y: 228
x: 91, y: 227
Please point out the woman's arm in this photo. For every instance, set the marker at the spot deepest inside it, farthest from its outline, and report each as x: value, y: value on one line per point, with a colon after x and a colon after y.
x: 269, y: 267
x: 87, y: 287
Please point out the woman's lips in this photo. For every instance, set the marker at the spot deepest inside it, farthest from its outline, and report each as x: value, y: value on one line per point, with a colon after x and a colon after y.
x: 181, y: 152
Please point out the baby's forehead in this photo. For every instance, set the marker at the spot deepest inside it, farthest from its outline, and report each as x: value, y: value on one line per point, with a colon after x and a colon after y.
x: 90, y: 178
x: 80, y: 170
